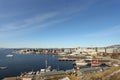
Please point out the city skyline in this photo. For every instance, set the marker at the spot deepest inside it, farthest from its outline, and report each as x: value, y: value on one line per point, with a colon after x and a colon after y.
x: 61, y: 24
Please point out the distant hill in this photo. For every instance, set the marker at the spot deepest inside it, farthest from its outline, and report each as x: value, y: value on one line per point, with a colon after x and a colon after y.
x: 114, y: 46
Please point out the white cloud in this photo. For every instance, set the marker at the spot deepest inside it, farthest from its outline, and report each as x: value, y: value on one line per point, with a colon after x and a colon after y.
x: 16, y: 29
x: 27, y: 22
x: 39, y: 21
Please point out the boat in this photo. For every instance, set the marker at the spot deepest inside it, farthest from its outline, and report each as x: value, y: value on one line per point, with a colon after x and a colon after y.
x: 47, y: 69
x: 80, y: 63
x: 3, y: 67
x: 9, y: 55
x: 95, y: 63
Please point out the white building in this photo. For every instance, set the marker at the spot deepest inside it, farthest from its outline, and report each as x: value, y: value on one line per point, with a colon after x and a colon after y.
x: 109, y: 50
x: 67, y: 50
x: 85, y: 50
x: 101, y: 50
x: 118, y: 50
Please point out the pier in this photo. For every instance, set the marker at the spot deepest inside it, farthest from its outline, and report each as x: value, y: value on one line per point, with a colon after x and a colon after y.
x: 84, y: 62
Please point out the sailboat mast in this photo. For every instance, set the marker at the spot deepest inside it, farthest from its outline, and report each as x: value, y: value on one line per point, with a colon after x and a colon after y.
x: 46, y: 64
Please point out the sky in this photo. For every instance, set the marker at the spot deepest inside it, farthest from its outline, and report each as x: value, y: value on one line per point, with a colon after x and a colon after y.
x: 59, y: 23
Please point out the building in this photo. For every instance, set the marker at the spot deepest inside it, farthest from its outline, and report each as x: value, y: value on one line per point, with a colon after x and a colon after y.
x: 101, y: 50
x: 109, y: 50
x: 72, y: 49
x: 59, y: 51
x: 118, y: 50
x: 67, y: 50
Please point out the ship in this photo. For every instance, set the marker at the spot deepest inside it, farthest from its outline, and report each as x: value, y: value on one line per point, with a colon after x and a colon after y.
x: 80, y: 63
x: 9, y: 55
x: 95, y: 63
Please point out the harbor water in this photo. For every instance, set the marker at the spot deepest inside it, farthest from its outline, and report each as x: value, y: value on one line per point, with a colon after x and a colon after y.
x: 21, y: 63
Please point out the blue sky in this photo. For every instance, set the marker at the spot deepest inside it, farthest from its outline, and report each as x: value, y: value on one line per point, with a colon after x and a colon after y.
x: 59, y: 23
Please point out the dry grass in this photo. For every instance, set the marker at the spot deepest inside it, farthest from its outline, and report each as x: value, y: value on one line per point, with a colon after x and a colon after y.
x: 106, y: 73
x: 73, y: 77
x: 115, y: 77
x: 55, y: 77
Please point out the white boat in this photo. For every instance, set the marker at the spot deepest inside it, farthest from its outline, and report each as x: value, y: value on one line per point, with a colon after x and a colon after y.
x: 9, y: 55
x: 47, y: 69
x: 42, y: 71
x: 81, y: 63
x: 3, y: 67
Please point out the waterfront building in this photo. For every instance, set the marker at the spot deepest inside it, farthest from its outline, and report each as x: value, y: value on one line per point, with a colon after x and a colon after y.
x: 115, y: 50
x: 101, y: 50
x: 118, y: 50
x: 58, y: 50
x: 66, y: 50
x: 83, y: 49
x: 109, y: 50
x: 91, y: 49
x: 72, y: 49
x: 86, y: 50
x: 53, y: 51
x: 45, y: 51
x: 79, y: 50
